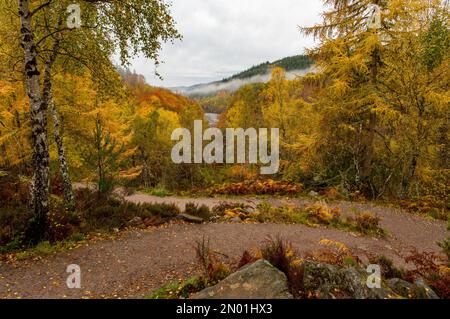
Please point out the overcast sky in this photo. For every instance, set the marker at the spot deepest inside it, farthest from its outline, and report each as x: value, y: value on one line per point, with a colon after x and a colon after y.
x: 222, y: 37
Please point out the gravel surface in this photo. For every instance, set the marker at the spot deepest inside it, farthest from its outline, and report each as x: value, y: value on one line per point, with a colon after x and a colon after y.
x: 138, y: 262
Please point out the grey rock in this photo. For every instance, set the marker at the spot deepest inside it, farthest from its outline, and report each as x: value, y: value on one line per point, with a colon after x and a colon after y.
x: 401, y: 287
x: 236, y: 220
x: 259, y: 280
x: 190, y: 218
x: 331, y: 282
x: 424, y: 291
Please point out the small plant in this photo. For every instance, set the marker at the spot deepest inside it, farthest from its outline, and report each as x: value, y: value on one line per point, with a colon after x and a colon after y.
x: 350, y: 261
x: 108, y: 213
x: 286, y: 214
x: 388, y: 269
x: 367, y: 223
x: 247, y: 259
x: 213, y: 270
x: 162, y: 210
x: 281, y: 255
x: 332, y: 193
x: 317, y: 214
x: 322, y: 214
x: 178, y: 290
x: 267, y: 187
x: 335, y: 253
x: 198, y: 211
x: 45, y: 248
x: 77, y: 237
x: 222, y: 208
x: 160, y: 192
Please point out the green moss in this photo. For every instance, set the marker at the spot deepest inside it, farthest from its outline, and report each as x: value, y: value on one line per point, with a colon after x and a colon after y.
x: 160, y: 192
x: 178, y: 290
x: 350, y: 261
x: 45, y: 248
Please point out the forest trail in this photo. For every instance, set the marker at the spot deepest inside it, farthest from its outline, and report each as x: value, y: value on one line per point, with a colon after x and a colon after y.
x: 138, y: 262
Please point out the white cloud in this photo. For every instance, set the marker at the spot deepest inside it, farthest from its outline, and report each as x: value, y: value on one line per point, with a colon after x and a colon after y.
x: 222, y: 37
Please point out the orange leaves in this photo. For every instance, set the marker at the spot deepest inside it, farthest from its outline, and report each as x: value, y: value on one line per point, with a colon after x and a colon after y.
x: 323, y: 213
x: 146, y: 95
x: 258, y: 187
x: 366, y: 221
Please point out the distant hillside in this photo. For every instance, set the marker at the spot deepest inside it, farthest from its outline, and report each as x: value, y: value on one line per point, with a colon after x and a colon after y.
x: 294, y: 66
x: 297, y: 62
x: 145, y: 94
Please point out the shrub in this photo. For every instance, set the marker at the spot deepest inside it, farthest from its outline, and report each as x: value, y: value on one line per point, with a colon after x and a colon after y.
x: 105, y: 217
x: 77, y: 237
x: 281, y: 255
x: 367, y: 223
x: 427, y: 266
x: 434, y: 205
x: 322, y: 214
x: 60, y: 226
x: 332, y: 193
x: 14, y: 211
x: 160, y: 192
x: 44, y: 248
x: 285, y: 214
x: 13, y: 222
x: 267, y: 187
x: 246, y: 259
x: 162, y: 210
x: 178, y: 290
x: 223, y: 207
x: 388, y: 269
x: 350, y: 261
x: 106, y: 213
x: 198, y: 211
x: 335, y: 253
x: 213, y: 270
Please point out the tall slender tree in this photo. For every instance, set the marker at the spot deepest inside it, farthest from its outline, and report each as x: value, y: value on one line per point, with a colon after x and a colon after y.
x: 106, y: 25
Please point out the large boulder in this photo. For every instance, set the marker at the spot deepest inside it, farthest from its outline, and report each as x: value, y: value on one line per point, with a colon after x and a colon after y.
x: 326, y: 281
x: 402, y: 287
x: 418, y: 290
x: 424, y: 291
x: 259, y: 280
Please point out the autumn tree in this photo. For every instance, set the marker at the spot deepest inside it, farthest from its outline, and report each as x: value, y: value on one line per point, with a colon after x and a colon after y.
x: 128, y: 26
x: 374, y: 81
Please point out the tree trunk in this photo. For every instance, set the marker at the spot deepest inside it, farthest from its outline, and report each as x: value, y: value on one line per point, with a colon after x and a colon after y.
x: 68, y: 191
x: 38, y: 109
x: 50, y: 103
x: 366, y: 167
x: 411, y: 171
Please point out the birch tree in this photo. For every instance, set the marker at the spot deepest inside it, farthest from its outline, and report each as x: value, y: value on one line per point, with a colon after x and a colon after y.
x: 107, y: 26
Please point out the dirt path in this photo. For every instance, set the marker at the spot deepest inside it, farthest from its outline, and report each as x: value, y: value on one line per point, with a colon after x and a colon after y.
x: 141, y: 261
